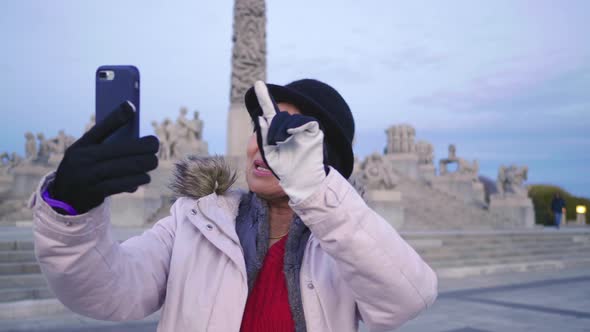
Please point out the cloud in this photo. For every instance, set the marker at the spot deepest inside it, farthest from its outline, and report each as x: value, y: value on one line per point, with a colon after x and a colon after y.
x: 514, y: 77
x: 415, y: 56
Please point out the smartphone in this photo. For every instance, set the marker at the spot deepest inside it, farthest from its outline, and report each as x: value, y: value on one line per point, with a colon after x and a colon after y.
x: 115, y: 85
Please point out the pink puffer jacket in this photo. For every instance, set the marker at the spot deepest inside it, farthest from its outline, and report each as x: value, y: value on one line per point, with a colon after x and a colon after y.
x: 190, y: 264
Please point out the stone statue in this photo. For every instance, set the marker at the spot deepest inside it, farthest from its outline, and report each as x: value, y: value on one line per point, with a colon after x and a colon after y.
x: 249, y: 48
x: 15, y: 160
x: 44, y: 151
x: 403, y: 136
x: 425, y: 152
x: 411, y: 139
x: 180, y: 138
x: 57, y: 147
x: 248, y: 65
x: 197, y: 125
x: 188, y: 133
x: 91, y: 123
x: 9, y: 162
x: 511, y: 180
x: 4, y: 163
x: 163, y: 136
x: 170, y: 129
x: 393, y: 141
x: 182, y: 125
x: 400, y: 139
x: 452, y: 152
x: 375, y: 174
x: 463, y: 166
x: 61, y: 143
x: 30, y: 147
x: 355, y: 177
x: 467, y: 168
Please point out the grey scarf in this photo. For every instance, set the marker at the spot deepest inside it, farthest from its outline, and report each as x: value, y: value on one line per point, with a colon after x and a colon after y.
x: 252, y: 226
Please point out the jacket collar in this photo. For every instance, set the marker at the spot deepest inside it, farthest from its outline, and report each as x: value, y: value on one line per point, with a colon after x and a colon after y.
x: 220, y: 210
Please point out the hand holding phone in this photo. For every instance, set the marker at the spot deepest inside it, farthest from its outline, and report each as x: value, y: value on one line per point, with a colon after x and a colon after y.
x: 93, y: 169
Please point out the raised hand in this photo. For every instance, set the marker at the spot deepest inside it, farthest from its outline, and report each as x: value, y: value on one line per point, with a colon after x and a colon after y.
x: 291, y: 145
x: 92, y: 170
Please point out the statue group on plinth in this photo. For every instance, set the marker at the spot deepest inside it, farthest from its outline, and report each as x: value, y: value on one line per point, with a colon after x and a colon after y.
x: 177, y: 139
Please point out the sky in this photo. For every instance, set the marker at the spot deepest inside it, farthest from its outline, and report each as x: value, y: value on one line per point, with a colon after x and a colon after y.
x: 507, y: 82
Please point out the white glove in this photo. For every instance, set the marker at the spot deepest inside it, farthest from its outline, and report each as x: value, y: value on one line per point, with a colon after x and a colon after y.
x: 298, y: 160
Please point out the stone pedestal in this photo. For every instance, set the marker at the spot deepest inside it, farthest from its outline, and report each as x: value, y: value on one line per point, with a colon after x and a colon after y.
x: 427, y: 172
x: 404, y: 163
x: 514, y: 207
x: 239, y: 129
x: 194, y: 147
x: 55, y: 159
x: 139, y: 208
x: 462, y: 186
x: 135, y: 209
x: 26, y: 180
x: 161, y: 177
x: 5, y: 185
x: 388, y: 204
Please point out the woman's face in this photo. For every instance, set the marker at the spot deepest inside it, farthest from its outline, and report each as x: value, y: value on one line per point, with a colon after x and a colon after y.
x: 259, y: 178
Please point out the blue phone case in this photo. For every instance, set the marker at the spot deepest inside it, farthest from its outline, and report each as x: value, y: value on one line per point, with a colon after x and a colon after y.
x: 111, y: 93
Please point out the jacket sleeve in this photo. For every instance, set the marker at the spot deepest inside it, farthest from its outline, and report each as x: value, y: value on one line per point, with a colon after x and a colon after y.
x: 389, y: 280
x: 90, y: 272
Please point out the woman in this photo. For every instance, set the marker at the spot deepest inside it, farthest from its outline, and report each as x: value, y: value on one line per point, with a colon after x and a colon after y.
x: 300, y: 251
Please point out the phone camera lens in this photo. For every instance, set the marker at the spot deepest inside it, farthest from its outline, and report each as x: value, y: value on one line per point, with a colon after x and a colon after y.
x: 102, y: 74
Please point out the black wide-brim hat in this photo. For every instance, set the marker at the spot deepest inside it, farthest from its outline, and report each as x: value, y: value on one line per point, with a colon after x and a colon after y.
x: 321, y: 101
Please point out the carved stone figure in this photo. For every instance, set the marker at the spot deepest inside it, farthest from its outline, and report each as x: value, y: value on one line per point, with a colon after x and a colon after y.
x: 61, y: 143
x: 182, y: 125
x: 180, y: 138
x: 511, y: 180
x: 249, y: 48
x: 375, y: 174
x: 15, y: 160
x: 425, y: 152
x: 403, y: 130
x: 248, y: 66
x: 170, y: 129
x: 197, y: 126
x: 163, y: 137
x: 9, y: 162
x: 4, y: 163
x: 187, y: 135
x: 468, y: 168
x: 44, y: 151
x: 409, y: 139
x: 452, y: 152
x: 393, y: 140
x: 30, y: 147
x: 400, y: 139
x: 463, y: 166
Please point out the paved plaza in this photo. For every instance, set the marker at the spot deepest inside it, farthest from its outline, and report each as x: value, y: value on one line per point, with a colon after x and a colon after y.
x: 540, y: 301
x: 545, y: 301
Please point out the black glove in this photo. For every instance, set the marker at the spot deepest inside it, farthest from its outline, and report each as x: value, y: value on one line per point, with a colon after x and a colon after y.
x: 91, y: 171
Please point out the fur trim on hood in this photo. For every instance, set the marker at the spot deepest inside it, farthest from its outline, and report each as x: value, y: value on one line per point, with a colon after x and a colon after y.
x: 199, y: 176
x: 196, y: 176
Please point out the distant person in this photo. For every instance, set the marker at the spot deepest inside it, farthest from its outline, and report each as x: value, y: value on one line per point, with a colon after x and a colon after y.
x: 557, y: 206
